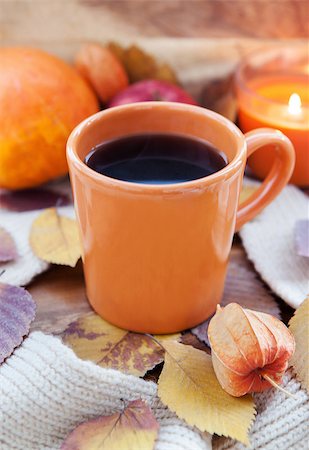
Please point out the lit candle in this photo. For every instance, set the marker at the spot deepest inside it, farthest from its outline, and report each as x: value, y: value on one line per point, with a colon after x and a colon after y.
x: 275, y: 94
x: 294, y: 107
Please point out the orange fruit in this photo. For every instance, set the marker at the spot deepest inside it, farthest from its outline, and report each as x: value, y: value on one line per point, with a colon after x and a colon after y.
x: 42, y: 99
x: 102, y: 69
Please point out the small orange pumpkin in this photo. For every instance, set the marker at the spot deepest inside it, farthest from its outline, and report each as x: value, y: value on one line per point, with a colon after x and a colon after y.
x: 42, y: 99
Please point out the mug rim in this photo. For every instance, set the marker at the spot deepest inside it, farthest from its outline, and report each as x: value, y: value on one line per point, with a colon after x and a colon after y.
x: 230, y: 168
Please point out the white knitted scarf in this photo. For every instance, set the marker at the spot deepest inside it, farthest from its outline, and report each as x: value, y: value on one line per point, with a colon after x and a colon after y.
x: 46, y: 391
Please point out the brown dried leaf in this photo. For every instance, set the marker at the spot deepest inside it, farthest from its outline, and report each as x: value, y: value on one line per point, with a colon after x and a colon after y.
x: 134, y: 428
x: 201, y: 331
x: 94, y: 339
x: 17, y: 311
x: 164, y: 72
x: 218, y: 95
x: 31, y: 199
x: 117, y: 49
x: 55, y: 238
x: 189, y: 387
x: 140, y: 65
x: 8, y: 250
x: 299, y: 326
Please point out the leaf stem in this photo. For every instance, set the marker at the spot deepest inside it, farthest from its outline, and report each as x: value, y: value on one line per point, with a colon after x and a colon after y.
x: 275, y: 385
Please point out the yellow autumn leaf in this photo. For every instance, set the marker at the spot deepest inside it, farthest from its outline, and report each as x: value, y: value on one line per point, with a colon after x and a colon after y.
x: 246, y: 192
x: 189, y: 387
x: 299, y: 326
x: 134, y: 428
x: 54, y: 238
x: 162, y: 338
x: 94, y: 339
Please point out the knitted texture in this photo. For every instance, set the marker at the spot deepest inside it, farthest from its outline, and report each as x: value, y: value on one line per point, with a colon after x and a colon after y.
x: 269, y: 242
x: 46, y: 391
x: 281, y: 422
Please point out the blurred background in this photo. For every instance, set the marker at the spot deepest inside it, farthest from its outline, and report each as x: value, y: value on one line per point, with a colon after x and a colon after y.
x: 44, y: 21
x: 228, y: 25
x: 201, y: 40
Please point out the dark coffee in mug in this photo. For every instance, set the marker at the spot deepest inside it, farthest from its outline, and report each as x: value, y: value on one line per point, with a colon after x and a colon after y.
x: 156, y: 158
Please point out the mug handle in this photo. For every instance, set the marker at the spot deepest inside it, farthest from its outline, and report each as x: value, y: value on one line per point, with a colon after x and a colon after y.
x: 278, y: 176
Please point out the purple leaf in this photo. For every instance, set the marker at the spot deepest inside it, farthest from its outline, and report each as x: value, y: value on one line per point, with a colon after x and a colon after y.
x: 8, y: 251
x: 301, y: 237
x: 17, y: 311
x: 31, y: 199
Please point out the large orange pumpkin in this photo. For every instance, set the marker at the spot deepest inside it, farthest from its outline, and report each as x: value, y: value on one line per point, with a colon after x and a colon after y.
x: 41, y: 100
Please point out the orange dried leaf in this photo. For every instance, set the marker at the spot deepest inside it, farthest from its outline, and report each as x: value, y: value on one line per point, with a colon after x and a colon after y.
x: 102, y: 69
x: 55, y: 239
x: 133, y: 428
x: 189, y: 387
x: 299, y: 326
x: 94, y: 339
x: 245, y: 345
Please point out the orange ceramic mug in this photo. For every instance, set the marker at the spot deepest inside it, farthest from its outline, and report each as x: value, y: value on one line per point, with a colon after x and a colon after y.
x: 155, y: 256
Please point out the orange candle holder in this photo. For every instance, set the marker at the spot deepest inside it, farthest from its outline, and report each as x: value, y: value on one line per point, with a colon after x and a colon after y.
x: 272, y: 88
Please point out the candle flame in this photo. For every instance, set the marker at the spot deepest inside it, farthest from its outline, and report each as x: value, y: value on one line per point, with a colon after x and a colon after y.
x: 295, y: 104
